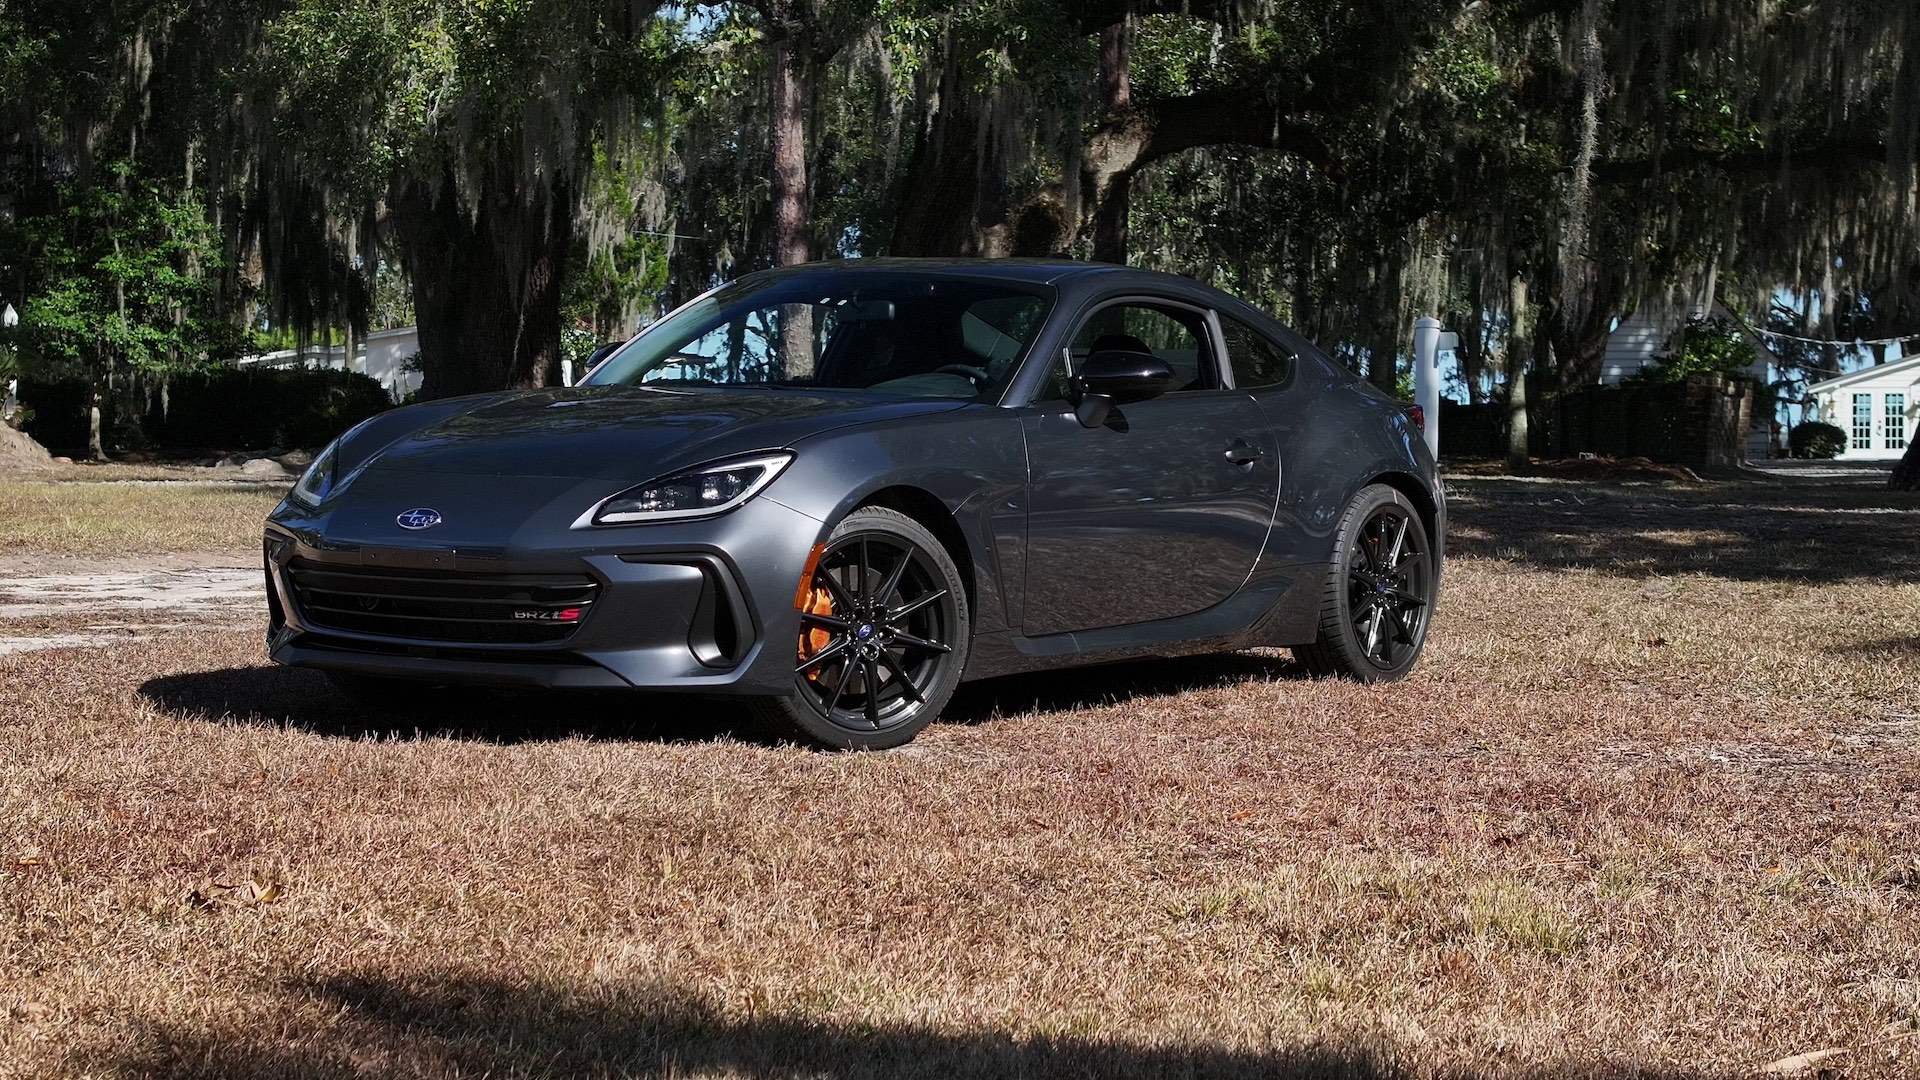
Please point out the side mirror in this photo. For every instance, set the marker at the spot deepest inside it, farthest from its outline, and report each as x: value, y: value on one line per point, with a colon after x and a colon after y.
x: 1117, y: 377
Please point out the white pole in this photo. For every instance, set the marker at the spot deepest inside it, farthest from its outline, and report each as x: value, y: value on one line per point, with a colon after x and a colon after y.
x: 566, y: 372
x: 1427, y: 343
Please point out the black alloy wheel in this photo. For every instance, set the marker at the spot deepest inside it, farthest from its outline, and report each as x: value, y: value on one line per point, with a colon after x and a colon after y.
x: 883, y: 635
x: 1378, y: 594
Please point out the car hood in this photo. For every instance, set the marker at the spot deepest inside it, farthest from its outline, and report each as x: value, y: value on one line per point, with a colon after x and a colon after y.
x: 611, y: 432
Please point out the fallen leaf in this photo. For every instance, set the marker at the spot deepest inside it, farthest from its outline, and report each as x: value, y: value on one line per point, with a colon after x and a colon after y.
x: 1799, y: 1063
x: 217, y: 894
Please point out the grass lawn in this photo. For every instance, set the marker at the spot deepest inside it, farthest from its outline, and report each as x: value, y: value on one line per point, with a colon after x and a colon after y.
x: 131, y: 517
x: 1650, y: 807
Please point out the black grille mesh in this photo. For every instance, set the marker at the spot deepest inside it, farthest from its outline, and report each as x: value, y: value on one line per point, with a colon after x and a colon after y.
x: 432, y: 605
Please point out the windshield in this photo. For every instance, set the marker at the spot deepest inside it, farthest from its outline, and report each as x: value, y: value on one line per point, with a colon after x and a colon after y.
x: 914, y: 335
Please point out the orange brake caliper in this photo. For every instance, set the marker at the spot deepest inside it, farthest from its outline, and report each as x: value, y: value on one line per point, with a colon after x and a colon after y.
x: 819, y: 602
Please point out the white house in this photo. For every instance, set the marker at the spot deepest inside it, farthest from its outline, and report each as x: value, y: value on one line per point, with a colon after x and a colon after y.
x: 1875, y: 406
x: 1638, y: 338
x: 384, y: 356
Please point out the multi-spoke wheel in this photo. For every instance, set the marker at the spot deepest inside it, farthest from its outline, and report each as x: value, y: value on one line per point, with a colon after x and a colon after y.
x: 1379, y: 590
x: 883, y: 635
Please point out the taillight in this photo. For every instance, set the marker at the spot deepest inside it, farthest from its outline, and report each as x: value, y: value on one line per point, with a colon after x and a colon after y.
x: 1419, y: 416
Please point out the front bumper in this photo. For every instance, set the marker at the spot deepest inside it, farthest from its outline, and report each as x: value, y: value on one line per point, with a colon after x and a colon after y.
x: 686, y: 606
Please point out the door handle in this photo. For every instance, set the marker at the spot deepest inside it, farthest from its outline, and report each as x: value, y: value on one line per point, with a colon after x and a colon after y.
x: 1242, y: 454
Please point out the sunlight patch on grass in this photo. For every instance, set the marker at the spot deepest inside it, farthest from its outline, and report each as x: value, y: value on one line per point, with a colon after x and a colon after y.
x: 131, y: 519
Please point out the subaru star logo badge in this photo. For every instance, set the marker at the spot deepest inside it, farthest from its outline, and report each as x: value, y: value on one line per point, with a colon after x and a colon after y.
x: 420, y: 517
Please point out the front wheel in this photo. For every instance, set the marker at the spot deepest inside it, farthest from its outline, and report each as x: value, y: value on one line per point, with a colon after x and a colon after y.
x: 883, y: 636
x: 1379, y: 591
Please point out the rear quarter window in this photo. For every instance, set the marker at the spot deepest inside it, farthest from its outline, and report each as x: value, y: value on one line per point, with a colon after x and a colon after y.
x: 1257, y: 359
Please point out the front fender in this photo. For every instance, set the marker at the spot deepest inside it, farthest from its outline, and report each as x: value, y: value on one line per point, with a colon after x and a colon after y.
x: 973, y: 462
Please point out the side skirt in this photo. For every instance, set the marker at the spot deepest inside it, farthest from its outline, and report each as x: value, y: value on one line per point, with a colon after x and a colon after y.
x: 1278, y: 610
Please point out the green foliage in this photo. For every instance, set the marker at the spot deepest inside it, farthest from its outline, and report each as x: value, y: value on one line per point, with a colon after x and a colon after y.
x: 122, y: 273
x: 1814, y: 439
x: 1711, y: 345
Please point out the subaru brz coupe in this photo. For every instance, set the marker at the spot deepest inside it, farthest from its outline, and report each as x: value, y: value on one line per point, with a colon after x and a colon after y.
x: 840, y: 489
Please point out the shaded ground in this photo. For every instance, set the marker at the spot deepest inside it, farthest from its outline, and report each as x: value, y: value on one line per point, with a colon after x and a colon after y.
x: 1791, y: 524
x: 1641, y: 812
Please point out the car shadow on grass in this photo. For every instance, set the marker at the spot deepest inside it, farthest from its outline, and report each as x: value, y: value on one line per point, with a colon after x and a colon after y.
x: 432, y: 1026
x: 302, y: 700
x: 1112, y: 684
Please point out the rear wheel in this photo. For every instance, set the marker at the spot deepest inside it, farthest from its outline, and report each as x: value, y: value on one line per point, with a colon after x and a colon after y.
x: 883, y: 636
x: 1378, y: 593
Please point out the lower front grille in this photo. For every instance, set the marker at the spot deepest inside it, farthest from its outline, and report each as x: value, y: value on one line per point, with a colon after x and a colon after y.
x: 442, y: 606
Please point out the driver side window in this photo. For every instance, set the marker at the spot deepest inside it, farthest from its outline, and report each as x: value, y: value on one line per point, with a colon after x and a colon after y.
x: 1173, y: 334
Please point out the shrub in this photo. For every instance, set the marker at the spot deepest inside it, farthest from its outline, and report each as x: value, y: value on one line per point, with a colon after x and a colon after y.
x: 264, y: 408
x: 1706, y: 345
x: 1816, y: 440
x: 225, y: 409
x: 58, y: 420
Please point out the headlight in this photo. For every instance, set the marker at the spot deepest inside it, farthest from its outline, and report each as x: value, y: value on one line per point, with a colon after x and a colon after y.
x: 317, y: 482
x: 699, y: 492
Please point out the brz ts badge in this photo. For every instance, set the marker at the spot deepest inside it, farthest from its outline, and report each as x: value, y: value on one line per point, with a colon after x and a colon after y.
x: 571, y: 614
x: 420, y: 517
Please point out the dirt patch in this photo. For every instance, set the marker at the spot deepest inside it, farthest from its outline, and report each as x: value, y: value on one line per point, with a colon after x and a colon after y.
x: 19, y: 454
x: 91, y: 601
x: 76, y: 603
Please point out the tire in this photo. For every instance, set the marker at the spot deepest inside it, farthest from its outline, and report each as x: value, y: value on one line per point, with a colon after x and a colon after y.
x: 1374, y: 606
x: 873, y: 670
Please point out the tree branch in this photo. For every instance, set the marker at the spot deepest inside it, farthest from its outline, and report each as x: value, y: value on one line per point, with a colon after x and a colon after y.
x: 1128, y: 141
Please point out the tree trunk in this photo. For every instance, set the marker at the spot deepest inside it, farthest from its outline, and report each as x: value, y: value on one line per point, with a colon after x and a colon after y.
x: 790, y: 247
x: 1116, y: 94
x: 1472, y: 354
x: 1518, y: 346
x: 950, y: 183
x: 97, y: 388
x: 1906, y: 474
x: 789, y: 119
x: 486, y: 283
x: 1383, y: 359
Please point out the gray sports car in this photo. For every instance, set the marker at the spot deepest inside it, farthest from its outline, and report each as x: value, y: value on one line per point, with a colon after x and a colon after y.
x: 840, y: 489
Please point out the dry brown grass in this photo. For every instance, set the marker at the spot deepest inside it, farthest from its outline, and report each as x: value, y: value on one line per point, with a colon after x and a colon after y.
x: 131, y: 516
x: 1640, y: 813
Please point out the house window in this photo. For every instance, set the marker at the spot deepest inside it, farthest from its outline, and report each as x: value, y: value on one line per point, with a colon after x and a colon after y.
x: 1863, y: 421
x: 1896, y: 421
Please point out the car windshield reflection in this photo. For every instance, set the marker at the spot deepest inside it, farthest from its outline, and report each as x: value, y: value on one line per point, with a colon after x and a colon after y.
x: 907, y: 335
